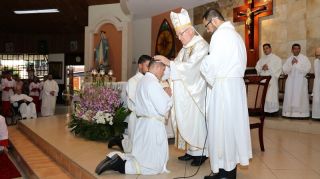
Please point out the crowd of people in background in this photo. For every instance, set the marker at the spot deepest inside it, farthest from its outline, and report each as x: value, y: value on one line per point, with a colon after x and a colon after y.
x: 296, y: 102
x: 32, y: 97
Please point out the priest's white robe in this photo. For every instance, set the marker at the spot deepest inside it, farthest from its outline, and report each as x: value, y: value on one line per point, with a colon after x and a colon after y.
x: 296, y: 97
x: 48, y: 105
x: 189, y: 90
x: 132, y: 118
x: 274, y: 70
x: 26, y: 110
x: 316, y: 90
x: 150, y: 152
x: 229, y: 141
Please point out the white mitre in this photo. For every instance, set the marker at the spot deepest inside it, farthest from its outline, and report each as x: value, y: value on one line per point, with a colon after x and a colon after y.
x: 180, y: 20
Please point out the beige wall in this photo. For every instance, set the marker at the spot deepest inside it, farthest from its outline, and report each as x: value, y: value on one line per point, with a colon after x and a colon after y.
x: 293, y: 21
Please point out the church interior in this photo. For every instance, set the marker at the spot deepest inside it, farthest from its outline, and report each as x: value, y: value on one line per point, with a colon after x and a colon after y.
x: 99, y: 42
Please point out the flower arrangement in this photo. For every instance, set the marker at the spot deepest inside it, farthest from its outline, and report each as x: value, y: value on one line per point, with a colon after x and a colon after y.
x: 99, y: 115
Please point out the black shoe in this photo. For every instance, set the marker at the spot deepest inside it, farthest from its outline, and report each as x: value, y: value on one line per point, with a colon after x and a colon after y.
x: 114, y: 163
x: 101, y: 164
x: 228, y: 175
x: 186, y: 157
x: 214, y: 176
x: 115, y: 141
x: 198, y: 160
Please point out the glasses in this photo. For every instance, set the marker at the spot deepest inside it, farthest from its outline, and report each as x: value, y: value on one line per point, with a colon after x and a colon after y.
x: 181, y: 33
x: 207, y: 24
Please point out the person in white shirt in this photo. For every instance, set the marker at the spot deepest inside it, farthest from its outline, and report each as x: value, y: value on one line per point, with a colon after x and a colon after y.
x: 296, y: 97
x: 316, y: 86
x: 125, y: 142
x: 270, y: 65
x: 150, y: 151
x: 7, y: 85
x: 3, y: 134
x: 229, y: 140
x: 25, y: 105
x: 34, y: 92
x: 49, y: 97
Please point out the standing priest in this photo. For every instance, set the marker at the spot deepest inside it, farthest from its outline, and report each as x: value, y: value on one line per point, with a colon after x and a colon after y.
x: 229, y: 141
x: 270, y: 65
x: 49, y: 97
x: 296, y: 97
x: 316, y: 86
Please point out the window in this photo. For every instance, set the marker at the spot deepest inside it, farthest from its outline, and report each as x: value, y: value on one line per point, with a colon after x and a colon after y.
x: 21, y: 64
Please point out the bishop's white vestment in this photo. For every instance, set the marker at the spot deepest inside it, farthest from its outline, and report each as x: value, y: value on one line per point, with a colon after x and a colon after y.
x: 229, y: 141
x: 132, y: 118
x: 316, y: 90
x: 274, y: 70
x: 189, y: 90
x: 48, y: 105
x: 150, y: 152
x: 296, y: 97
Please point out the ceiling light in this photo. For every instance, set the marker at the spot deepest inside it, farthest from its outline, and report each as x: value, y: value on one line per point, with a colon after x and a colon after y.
x: 36, y: 11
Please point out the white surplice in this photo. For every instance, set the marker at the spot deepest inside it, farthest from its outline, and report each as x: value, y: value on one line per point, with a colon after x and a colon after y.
x: 229, y: 139
x: 274, y: 70
x: 7, y: 83
x: 26, y: 110
x: 48, y: 105
x: 296, y: 97
x: 189, y: 90
x: 316, y: 90
x: 3, y: 129
x: 150, y: 151
x: 32, y: 86
x: 132, y: 118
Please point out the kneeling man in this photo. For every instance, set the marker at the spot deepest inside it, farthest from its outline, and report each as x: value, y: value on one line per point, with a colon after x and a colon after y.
x: 150, y: 152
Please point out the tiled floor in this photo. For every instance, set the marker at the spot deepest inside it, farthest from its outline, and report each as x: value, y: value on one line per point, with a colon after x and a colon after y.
x: 289, y: 154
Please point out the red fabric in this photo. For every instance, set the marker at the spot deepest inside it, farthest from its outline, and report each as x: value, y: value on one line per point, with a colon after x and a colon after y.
x: 6, y: 108
x: 37, y: 103
x: 7, y: 168
x: 4, y: 142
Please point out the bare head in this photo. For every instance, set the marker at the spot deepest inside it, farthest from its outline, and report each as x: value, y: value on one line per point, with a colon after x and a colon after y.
x: 296, y: 48
x: 157, y: 68
x: 49, y: 77
x: 143, y: 63
x: 212, y: 19
x: 267, y: 49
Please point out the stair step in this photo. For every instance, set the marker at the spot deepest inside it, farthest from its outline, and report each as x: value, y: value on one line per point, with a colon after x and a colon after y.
x: 34, y: 161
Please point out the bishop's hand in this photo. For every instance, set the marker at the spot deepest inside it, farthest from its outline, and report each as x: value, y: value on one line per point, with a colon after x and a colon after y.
x: 162, y: 59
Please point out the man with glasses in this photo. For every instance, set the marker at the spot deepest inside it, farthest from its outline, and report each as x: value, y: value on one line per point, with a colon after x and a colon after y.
x: 229, y: 140
x: 189, y: 89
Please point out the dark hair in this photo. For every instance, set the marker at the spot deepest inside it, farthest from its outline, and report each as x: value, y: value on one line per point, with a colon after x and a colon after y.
x: 154, y: 62
x: 266, y: 44
x: 144, y: 58
x: 212, y: 13
x: 296, y: 45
